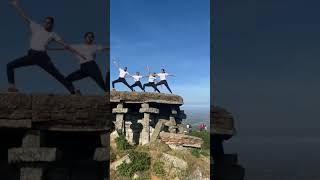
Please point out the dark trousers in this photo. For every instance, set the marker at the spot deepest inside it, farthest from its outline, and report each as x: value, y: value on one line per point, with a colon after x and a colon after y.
x: 152, y: 84
x: 42, y: 60
x: 137, y: 83
x: 88, y: 69
x: 123, y: 80
x: 165, y: 83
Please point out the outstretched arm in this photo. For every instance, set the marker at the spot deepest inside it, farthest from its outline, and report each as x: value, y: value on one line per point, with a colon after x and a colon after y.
x: 57, y: 49
x: 20, y: 11
x: 105, y: 49
x: 69, y: 48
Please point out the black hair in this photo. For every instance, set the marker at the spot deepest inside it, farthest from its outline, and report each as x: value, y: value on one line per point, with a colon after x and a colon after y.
x: 51, y: 19
x: 163, y: 69
x: 87, y: 33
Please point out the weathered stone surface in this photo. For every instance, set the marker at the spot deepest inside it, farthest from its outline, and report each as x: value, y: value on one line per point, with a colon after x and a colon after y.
x: 141, y: 97
x: 156, y: 131
x: 117, y: 163
x: 223, y: 122
x: 5, y: 123
x: 138, y: 175
x: 171, y: 122
x: 31, y: 139
x: 105, y: 139
x: 15, y: 106
x: 149, y: 110
x: 32, y: 155
x: 181, y: 139
x: 176, y: 162
x: 54, y: 111
x: 101, y: 154
x: 31, y: 173
x: 120, y: 110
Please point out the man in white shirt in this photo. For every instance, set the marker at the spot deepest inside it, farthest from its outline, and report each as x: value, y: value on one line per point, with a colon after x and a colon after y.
x: 88, y: 66
x: 151, y: 82
x: 122, y: 77
x: 41, y: 36
x: 163, y: 76
x: 137, y: 77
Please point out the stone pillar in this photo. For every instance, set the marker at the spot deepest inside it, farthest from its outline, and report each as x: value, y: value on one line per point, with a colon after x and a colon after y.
x: 146, y: 110
x: 120, y: 111
x: 32, y: 156
x: 102, y: 154
x: 31, y: 173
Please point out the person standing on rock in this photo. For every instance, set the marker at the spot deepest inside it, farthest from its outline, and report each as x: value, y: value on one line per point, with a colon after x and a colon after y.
x: 137, y: 77
x: 163, y: 76
x: 152, y: 79
x: 88, y: 66
x: 41, y: 36
x: 122, y: 76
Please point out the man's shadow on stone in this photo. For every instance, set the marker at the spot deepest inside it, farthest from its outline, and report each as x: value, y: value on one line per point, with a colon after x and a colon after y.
x: 136, y: 131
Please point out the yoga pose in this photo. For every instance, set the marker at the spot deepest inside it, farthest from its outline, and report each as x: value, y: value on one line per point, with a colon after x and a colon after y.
x: 163, y: 75
x: 152, y: 79
x: 41, y: 36
x: 88, y: 66
x: 122, y: 76
x: 137, y: 77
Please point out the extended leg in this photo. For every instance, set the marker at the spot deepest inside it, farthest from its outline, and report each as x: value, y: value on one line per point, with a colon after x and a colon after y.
x: 20, y: 62
x: 94, y: 72
x: 49, y: 67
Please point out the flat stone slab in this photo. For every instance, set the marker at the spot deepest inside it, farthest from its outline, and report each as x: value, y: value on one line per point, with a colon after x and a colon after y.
x: 145, y: 97
x: 16, y: 155
x: 49, y: 110
x: 5, y: 123
x: 180, y: 140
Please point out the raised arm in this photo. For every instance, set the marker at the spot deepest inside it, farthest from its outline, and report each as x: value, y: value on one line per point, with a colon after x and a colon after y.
x: 148, y: 69
x: 20, y: 11
x: 116, y: 64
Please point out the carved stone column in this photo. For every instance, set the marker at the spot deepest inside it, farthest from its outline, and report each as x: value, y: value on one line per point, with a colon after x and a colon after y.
x: 120, y: 112
x: 147, y: 111
x: 32, y: 156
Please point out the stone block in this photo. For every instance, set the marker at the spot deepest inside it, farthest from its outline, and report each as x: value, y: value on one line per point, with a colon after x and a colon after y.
x: 17, y: 155
x: 31, y: 139
x: 101, y: 154
x: 9, y: 123
x: 119, y: 110
x: 149, y: 110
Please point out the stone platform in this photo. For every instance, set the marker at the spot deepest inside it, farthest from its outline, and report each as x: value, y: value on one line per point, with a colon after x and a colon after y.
x: 141, y: 116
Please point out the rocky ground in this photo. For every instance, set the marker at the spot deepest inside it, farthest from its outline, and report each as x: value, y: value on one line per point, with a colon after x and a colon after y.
x: 167, y: 162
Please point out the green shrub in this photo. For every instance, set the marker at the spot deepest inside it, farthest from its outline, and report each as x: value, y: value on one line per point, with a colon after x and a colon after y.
x: 195, y: 152
x: 205, y: 136
x: 140, y: 161
x: 158, y: 168
x: 122, y: 143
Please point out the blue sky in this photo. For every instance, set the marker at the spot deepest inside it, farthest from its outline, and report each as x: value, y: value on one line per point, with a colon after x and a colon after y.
x: 266, y: 58
x: 73, y: 18
x: 168, y: 34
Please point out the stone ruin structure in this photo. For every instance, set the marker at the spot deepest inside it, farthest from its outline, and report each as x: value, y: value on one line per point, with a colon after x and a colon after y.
x: 144, y: 117
x: 225, y: 166
x: 50, y: 137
